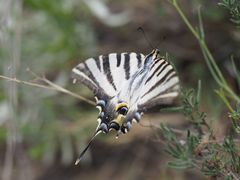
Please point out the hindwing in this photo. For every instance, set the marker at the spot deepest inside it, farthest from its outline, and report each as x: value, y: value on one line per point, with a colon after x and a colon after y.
x: 161, y: 85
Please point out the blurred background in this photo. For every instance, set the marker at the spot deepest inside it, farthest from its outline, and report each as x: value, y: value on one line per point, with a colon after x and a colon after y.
x: 43, y: 131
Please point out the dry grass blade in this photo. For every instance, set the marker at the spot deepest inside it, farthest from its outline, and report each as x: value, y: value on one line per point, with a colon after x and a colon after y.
x: 50, y: 85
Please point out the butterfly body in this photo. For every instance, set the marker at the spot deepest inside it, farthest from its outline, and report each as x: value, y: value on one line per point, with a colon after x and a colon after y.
x: 126, y: 84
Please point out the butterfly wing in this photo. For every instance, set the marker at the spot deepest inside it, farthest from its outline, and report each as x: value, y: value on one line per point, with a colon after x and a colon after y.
x: 161, y: 85
x: 104, y: 75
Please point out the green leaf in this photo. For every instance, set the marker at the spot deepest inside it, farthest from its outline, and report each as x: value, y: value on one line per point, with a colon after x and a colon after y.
x: 179, y: 164
x: 236, y: 71
x: 172, y: 109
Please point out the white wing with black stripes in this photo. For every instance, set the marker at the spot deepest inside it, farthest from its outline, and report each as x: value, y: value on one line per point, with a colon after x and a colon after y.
x: 161, y: 85
x: 140, y: 81
x: 125, y: 85
x: 105, y: 74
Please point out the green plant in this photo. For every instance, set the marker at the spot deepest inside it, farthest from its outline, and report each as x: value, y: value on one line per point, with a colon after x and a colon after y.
x: 225, y: 92
x: 46, y: 36
x: 199, y: 148
x: 233, y: 6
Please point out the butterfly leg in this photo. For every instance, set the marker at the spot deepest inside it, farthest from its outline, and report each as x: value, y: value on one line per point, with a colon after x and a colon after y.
x: 128, y: 122
x: 102, y: 124
x: 126, y: 127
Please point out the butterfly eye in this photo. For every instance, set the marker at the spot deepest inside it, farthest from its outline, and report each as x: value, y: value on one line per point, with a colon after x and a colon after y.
x: 123, y: 110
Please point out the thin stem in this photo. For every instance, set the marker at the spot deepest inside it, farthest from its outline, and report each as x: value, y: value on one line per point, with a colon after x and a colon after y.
x: 59, y: 88
x: 51, y: 86
x: 212, y: 60
x: 222, y: 83
x: 200, y: 40
x: 218, y: 81
x: 231, y: 93
x: 25, y: 82
x: 63, y: 90
x: 211, y: 63
x: 224, y: 99
x: 13, y: 43
x: 175, y: 4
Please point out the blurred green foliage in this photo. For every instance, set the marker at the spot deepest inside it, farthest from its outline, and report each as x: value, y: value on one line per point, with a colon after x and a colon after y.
x: 199, y: 148
x: 54, y: 35
x: 233, y: 7
x: 58, y: 32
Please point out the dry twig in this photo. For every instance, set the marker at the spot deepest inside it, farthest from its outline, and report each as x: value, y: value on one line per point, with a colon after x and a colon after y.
x: 50, y: 85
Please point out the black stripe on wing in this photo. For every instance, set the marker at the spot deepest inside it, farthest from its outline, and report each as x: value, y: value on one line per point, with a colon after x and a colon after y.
x: 105, y: 74
x: 118, y: 59
x: 164, y: 98
x: 126, y: 65
x: 170, y: 74
x: 139, y: 58
x: 84, y: 75
x: 107, y: 71
x: 161, y: 85
x: 161, y: 65
x: 97, y: 60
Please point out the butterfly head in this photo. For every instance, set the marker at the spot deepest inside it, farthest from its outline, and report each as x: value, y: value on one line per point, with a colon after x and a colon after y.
x: 122, y: 108
x: 155, y: 54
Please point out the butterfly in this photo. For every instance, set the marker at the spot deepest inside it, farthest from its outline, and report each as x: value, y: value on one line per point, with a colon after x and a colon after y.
x: 125, y: 85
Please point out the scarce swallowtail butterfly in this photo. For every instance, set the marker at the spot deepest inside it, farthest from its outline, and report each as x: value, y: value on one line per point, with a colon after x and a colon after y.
x: 125, y: 85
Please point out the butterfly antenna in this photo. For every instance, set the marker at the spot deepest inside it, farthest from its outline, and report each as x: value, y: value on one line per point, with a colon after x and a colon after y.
x: 163, y: 39
x: 146, y: 37
x: 86, y: 148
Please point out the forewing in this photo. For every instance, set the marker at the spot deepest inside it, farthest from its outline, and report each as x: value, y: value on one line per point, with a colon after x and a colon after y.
x: 105, y: 74
x: 161, y: 85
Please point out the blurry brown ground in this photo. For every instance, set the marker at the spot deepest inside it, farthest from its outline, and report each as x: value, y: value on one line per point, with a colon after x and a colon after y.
x: 140, y: 154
